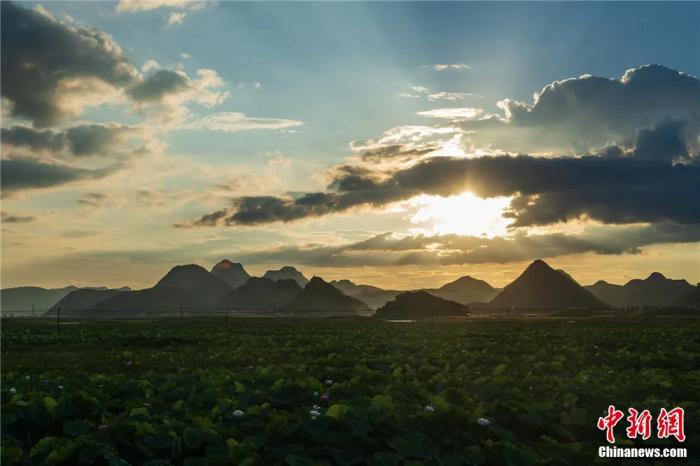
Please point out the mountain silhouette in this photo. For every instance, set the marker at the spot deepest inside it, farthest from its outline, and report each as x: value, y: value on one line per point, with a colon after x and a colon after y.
x: 542, y: 287
x: 85, y: 298
x: 160, y: 298
x: 261, y: 294
x: 287, y: 273
x: 196, y: 281
x: 231, y: 273
x: 26, y: 298
x: 323, y: 299
x: 372, y: 296
x: 420, y: 305
x: 465, y: 290
x: 655, y: 290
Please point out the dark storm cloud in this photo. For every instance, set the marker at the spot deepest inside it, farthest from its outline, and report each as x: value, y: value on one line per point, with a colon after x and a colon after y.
x: 81, y: 140
x: 384, y: 249
x: 21, y: 174
x: 39, y: 55
x: 160, y: 84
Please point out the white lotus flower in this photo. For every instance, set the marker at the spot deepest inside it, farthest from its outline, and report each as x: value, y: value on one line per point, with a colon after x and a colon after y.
x: 238, y: 413
x: 482, y: 421
x: 329, y: 382
x: 13, y: 390
x: 429, y: 408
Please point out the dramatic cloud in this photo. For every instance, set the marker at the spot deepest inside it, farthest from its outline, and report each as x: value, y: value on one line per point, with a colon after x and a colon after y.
x: 87, y: 140
x: 232, y: 122
x: 582, y: 114
x: 52, y: 70
x: 616, y: 187
x: 21, y: 174
x: 386, y: 249
x: 164, y: 95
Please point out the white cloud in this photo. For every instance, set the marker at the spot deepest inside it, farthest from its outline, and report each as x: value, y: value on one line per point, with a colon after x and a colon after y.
x: 453, y: 113
x: 145, y: 5
x: 176, y: 18
x: 232, y: 122
x: 453, y: 96
x: 150, y: 65
x: 450, y: 66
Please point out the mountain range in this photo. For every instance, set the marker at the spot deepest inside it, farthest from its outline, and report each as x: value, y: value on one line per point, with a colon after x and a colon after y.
x: 655, y: 290
x: 229, y: 286
x: 323, y: 299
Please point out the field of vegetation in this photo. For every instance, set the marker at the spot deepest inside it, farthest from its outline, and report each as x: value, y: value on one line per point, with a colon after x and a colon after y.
x: 307, y: 392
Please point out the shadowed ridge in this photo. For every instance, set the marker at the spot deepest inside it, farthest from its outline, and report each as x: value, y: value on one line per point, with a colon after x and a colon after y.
x: 542, y: 287
x: 196, y: 281
x: 420, y: 305
x: 287, y: 273
x: 323, y: 299
x: 231, y: 273
x: 465, y: 290
x: 261, y: 294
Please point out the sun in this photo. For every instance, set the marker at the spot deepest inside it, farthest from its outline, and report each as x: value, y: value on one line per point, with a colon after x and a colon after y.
x: 463, y: 214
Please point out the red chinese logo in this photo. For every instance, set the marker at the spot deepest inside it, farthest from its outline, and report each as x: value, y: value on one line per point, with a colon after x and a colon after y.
x: 609, y: 422
x: 668, y: 424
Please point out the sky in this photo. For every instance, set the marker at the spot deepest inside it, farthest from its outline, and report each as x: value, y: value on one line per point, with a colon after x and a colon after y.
x: 396, y: 144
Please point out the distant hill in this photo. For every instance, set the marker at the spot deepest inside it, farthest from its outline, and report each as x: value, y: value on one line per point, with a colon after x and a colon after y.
x: 690, y: 299
x: 420, y: 305
x: 373, y: 296
x: 84, y: 299
x: 261, y: 294
x: 196, y: 281
x: 465, y: 290
x: 541, y: 287
x: 231, y: 273
x: 26, y: 298
x: 324, y: 300
x: 655, y: 290
x: 287, y: 273
x: 609, y: 293
x: 162, y: 298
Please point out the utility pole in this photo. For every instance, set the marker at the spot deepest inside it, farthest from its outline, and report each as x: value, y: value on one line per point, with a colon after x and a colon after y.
x: 58, y: 317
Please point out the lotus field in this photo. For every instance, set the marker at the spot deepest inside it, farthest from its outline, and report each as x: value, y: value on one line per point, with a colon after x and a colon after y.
x: 314, y: 392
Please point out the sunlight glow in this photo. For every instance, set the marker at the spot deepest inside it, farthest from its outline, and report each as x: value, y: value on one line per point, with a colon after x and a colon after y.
x: 464, y: 214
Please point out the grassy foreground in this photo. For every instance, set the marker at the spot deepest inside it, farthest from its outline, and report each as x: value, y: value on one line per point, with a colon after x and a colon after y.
x: 303, y: 392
